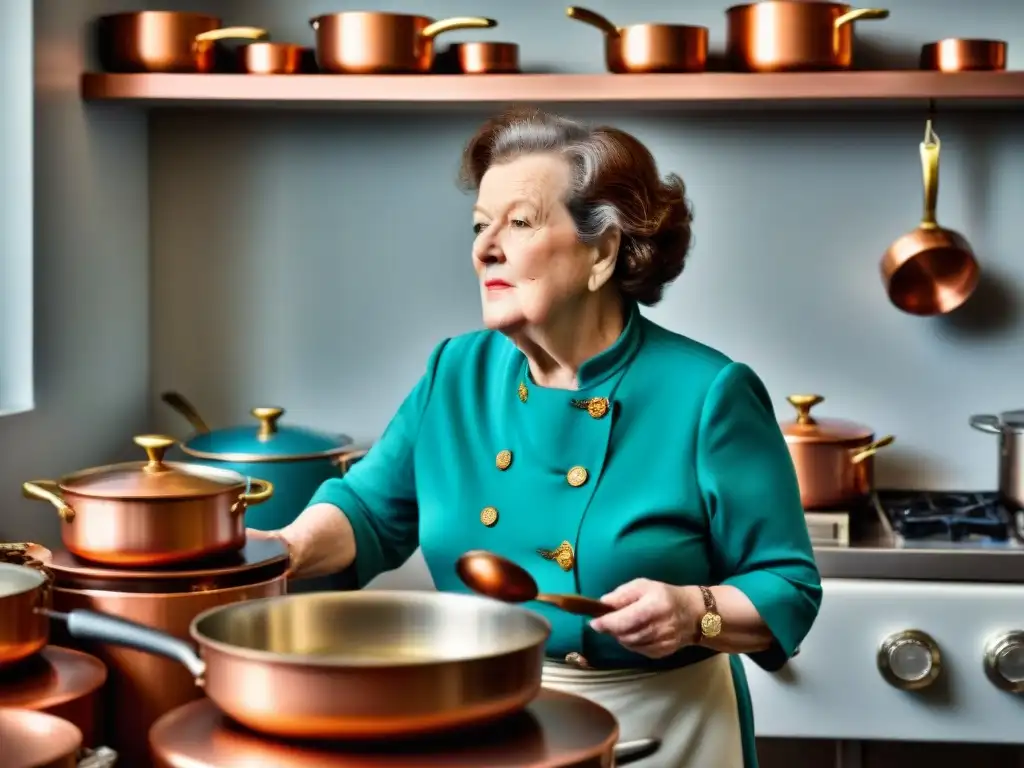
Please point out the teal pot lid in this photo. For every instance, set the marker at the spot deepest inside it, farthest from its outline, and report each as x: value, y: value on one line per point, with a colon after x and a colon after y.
x: 266, y: 440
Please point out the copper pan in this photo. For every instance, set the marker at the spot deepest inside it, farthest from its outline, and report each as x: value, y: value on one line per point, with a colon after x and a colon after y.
x: 151, y: 512
x: 648, y: 48
x: 961, y: 55
x: 931, y: 270
x: 265, y: 58
x: 354, y: 665
x: 31, y: 739
x: 793, y: 35
x: 165, y: 41
x: 23, y: 632
x: 480, y: 58
x: 364, y: 42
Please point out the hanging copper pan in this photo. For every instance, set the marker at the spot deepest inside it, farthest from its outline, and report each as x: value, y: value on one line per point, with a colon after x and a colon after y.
x: 165, y: 41
x: 23, y: 632
x: 793, y: 35
x: 931, y: 270
x: 31, y: 739
x: 365, y: 43
x: 353, y: 665
x: 648, y: 48
x: 963, y: 55
x: 151, y: 512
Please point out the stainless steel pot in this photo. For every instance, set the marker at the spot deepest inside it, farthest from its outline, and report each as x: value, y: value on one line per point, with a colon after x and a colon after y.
x: 1010, y: 428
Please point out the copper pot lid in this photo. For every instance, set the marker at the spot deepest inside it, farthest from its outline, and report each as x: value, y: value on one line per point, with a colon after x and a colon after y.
x: 266, y: 440
x: 153, y: 478
x: 806, y: 428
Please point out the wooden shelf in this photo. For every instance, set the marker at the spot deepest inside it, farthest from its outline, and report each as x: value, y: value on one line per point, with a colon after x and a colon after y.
x: 432, y: 91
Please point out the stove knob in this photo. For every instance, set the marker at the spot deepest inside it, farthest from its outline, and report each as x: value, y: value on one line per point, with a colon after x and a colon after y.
x: 1004, y: 661
x: 909, y: 660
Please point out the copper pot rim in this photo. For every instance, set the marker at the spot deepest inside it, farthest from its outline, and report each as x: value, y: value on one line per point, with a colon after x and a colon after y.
x: 648, y: 26
x: 233, y: 482
x: 483, y: 44
x: 980, y: 41
x: 37, y: 578
x: 165, y: 15
x: 373, y: 14
x: 169, y: 596
x: 274, y: 44
x: 818, y: 434
x: 815, y: 4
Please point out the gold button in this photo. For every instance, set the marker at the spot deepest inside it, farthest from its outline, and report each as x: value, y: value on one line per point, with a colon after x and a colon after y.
x: 503, y: 460
x: 523, y: 392
x: 577, y: 660
x: 577, y: 476
x: 489, y: 516
x: 562, y: 555
x: 597, y: 407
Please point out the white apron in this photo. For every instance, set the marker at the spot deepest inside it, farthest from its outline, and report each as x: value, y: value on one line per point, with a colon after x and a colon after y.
x: 692, y: 710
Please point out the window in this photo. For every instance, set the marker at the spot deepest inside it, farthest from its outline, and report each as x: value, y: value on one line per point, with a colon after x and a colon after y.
x: 16, y: 200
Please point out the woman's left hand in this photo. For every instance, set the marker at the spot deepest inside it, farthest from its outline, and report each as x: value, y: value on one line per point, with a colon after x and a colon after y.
x: 650, y: 617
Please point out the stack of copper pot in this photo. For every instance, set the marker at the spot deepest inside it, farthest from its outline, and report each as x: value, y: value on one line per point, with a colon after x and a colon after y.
x: 157, y: 542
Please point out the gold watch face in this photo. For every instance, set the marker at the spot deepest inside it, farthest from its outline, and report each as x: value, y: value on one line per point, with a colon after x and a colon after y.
x: 711, y: 625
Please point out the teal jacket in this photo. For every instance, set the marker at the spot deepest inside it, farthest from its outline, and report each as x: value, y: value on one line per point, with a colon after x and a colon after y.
x: 667, y: 463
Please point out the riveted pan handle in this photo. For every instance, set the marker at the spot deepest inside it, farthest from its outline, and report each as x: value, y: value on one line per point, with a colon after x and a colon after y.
x: 986, y: 422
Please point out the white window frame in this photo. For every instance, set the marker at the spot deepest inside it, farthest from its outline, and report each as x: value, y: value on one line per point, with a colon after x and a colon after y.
x: 17, y: 391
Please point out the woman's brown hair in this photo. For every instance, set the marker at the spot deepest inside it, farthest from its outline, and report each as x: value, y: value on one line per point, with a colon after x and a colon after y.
x: 615, y: 184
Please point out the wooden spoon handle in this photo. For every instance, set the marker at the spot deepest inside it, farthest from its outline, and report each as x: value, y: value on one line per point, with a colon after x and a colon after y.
x: 577, y: 604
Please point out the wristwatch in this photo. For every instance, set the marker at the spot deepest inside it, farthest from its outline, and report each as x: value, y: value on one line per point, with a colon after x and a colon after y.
x: 711, y: 621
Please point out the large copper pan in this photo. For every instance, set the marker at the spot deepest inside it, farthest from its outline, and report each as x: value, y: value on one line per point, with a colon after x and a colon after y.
x: 353, y: 665
x: 365, y: 42
x: 23, y: 632
x: 793, y: 35
x: 931, y: 270
x: 648, y: 48
x: 151, y: 512
x: 164, y: 41
x: 37, y: 740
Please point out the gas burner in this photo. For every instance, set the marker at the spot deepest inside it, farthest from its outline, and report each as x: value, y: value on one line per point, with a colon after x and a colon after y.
x: 948, y: 515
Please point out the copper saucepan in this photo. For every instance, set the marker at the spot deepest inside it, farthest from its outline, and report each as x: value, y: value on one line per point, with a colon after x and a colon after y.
x: 165, y: 41
x: 963, y: 55
x: 23, y: 632
x: 351, y: 665
x: 480, y: 58
x: 793, y: 35
x: 30, y: 739
x: 266, y: 58
x: 151, y: 512
x: 648, y: 48
x: 834, y: 458
x: 370, y: 42
x: 931, y: 270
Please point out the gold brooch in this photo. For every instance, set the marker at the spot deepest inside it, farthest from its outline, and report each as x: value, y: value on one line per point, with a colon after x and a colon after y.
x: 523, y: 392
x: 562, y: 555
x: 597, y: 407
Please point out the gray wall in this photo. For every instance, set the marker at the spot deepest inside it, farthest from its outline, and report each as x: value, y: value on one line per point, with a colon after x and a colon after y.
x: 91, y: 276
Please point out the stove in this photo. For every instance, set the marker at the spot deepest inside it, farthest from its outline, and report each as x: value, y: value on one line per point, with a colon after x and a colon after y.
x: 555, y: 730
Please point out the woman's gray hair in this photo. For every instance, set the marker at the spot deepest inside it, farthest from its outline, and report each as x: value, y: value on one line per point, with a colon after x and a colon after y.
x: 614, y: 184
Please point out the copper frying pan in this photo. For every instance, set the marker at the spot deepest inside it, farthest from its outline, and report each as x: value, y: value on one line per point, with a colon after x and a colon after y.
x: 23, y: 632
x: 351, y: 665
x: 30, y: 739
x: 931, y: 270
x: 648, y: 48
x: 964, y: 55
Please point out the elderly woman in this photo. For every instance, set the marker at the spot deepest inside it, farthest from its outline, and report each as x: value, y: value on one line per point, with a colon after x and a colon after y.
x: 608, y: 456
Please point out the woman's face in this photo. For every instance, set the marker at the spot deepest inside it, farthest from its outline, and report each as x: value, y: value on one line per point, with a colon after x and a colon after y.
x: 526, y: 254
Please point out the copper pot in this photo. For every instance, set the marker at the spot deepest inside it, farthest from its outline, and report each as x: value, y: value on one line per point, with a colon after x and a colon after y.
x: 834, y: 459
x: 793, y: 35
x: 403, y: 665
x: 961, y: 55
x: 931, y: 270
x: 164, y: 41
x: 37, y: 740
x: 363, y: 42
x: 143, y: 687
x: 648, y: 48
x: 480, y: 58
x: 275, y: 59
x: 23, y: 631
x: 151, y: 512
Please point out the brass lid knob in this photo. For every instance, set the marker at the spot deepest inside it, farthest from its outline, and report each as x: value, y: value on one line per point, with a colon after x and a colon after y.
x: 155, y: 447
x: 268, y: 417
x: 803, y: 405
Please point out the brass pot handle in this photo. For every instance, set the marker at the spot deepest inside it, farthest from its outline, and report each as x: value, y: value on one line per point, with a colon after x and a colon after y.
x: 930, y: 150
x: 592, y: 18
x: 803, y: 405
x: 871, y: 449
x: 231, y: 33
x: 264, y: 489
x: 431, y: 31
x: 860, y: 14
x: 180, y: 403
x: 48, y: 490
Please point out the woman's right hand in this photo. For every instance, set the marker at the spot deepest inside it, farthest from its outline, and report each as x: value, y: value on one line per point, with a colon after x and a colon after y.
x: 320, y: 541
x: 293, y: 563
